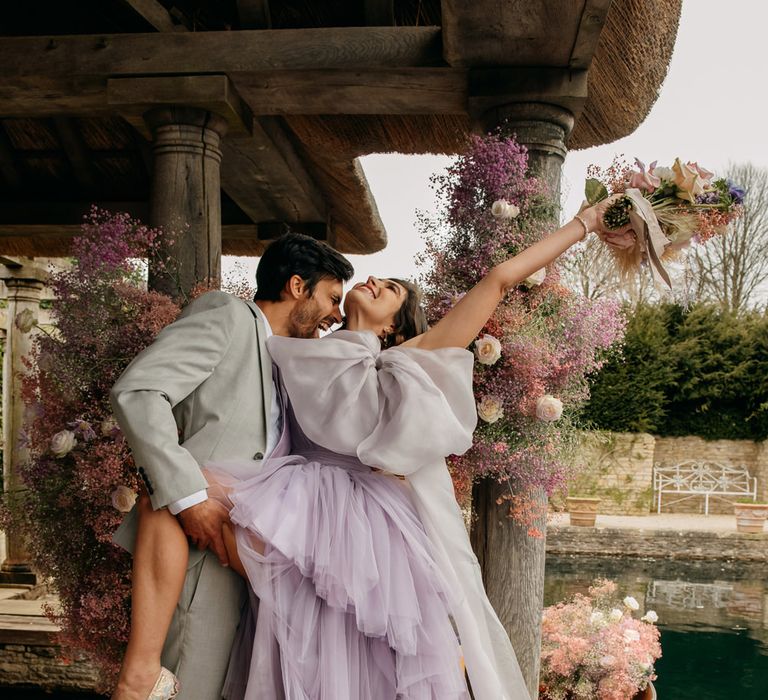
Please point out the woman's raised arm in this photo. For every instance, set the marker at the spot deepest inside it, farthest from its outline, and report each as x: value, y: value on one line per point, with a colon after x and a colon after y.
x: 460, y: 326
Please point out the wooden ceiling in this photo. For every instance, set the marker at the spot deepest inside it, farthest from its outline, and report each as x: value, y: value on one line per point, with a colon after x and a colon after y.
x: 306, y: 88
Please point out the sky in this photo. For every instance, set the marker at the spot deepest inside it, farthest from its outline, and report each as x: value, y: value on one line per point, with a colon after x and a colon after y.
x: 712, y: 108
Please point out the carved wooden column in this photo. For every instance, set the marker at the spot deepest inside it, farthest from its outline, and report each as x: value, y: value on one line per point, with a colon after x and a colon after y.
x: 186, y: 195
x: 512, y: 561
x: 24, y: 284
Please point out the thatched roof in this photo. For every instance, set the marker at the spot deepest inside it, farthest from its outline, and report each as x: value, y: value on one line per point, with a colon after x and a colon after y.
x: 304, y: 103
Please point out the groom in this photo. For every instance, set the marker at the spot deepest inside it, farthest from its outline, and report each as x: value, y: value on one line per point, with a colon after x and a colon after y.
x: 203, y: 391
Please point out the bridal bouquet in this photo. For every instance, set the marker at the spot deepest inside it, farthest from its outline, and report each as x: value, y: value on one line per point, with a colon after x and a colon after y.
x: 593, y: 648
x: 668, y: 209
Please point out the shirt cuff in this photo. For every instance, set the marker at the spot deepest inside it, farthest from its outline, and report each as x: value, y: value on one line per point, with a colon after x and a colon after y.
x: 187, y: 502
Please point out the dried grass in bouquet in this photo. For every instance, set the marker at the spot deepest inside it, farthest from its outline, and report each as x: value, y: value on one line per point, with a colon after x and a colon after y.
x: 668, y: 209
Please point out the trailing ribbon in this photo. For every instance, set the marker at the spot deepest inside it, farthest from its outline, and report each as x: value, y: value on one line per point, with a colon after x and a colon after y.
x: 650, y: 238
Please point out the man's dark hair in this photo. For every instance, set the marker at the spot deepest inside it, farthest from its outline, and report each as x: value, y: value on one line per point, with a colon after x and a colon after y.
x: 297, y: 254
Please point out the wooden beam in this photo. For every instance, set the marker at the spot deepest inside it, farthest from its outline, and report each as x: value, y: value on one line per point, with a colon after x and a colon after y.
x: 592, y: 21
x: 42, y: 96
x: 54, y: 240
x: 390, y: 91
x: 133, y: 97
x: 254, y: 14
x: 267, y: 179
x: 397, y: 91
x: 76, y: 152
x: 488, y: 33
x: 491, y: 87
x: 115, y: 55
x: 155, y: 14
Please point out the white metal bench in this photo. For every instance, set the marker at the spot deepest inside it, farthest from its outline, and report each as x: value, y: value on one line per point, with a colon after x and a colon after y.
x: 708, y: 479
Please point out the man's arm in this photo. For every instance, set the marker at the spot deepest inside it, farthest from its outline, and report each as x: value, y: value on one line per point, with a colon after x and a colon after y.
x: 182, y: 357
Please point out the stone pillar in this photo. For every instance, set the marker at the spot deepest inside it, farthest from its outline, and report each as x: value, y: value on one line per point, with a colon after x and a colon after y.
x: 24, y: 284
x: 186, y: 196
x: 512, y: 561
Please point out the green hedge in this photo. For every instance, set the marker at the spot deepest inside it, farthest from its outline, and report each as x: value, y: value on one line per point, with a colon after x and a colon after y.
x: 697, y: 371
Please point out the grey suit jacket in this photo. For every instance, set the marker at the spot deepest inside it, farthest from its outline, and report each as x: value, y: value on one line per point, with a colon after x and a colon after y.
x: 201, y: 391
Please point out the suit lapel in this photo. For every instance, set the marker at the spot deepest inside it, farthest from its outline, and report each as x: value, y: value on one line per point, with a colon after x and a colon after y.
x: 266, y: 364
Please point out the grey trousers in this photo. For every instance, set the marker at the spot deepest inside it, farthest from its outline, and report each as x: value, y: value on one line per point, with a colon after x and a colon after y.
x: 199, y: 641
x: 210, y: 607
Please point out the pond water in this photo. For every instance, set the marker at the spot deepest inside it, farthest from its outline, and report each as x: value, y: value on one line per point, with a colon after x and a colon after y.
x: 713, y: 619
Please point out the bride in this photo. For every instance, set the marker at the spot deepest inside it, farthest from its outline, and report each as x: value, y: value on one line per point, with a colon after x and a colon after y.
x: 366, y: 583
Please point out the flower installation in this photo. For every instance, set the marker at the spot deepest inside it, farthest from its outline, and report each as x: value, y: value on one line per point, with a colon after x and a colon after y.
x: 668, y: 207
x: 593, y: 648
x: 535, y: 354
x: 80, y: 478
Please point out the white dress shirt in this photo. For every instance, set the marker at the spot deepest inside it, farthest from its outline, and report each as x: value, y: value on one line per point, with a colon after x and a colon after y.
x: 273, y: 435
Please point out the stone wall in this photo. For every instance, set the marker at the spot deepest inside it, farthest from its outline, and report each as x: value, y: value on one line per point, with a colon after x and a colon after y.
x: 618, y: 468
x: 42, y: 666
x: 753, y: 455
x: 686, y: 545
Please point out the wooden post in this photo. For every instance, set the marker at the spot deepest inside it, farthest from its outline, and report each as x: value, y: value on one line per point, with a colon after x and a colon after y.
x: 24, y: 284
x: 186, y: 196
x: 512, y: 561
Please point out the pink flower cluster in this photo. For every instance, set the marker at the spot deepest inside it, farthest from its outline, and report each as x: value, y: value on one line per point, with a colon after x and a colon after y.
x: 551, y: 339
x: 594, y: 649
x: 103, y: 319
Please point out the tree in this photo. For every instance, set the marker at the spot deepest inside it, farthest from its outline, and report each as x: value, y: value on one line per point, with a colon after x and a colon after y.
x: 732, y: 270
x: 591, y: 270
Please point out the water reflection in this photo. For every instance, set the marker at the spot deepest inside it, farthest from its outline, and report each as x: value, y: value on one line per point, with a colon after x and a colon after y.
x: 713, y: 619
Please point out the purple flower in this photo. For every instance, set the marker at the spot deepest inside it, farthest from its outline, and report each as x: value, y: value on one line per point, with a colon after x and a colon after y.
x: 711, y: 197
x: 736, y: 192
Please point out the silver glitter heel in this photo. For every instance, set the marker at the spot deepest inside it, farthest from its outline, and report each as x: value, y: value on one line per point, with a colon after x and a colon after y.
x: 166, y: 686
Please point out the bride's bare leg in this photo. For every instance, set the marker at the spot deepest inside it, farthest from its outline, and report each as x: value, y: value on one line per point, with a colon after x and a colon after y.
x: 234, y: 558
x: 159, y: 567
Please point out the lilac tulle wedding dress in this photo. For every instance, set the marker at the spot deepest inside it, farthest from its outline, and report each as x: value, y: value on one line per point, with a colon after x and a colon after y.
x: 358, y: 598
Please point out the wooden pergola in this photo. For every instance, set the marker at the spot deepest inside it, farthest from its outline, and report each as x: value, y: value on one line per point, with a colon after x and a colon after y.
x: 233, y: 121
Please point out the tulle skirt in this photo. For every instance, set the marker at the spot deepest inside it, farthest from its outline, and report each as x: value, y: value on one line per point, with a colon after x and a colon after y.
x: 346, y: 585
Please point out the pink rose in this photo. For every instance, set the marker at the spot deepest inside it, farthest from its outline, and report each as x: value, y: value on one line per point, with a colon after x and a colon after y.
x: 62, y: 443
x: 548, y: 408
x: 644, y: 180
x: 123, y: 498
x: 487, y: 350
x: 490, y: 409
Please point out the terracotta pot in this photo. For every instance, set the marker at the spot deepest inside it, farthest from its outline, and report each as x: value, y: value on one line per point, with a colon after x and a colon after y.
x: 583, y: 511
x: 750, y: 517
x: 648, y: 694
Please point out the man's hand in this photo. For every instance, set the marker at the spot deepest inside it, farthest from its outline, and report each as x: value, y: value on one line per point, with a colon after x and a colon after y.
x: 203, y: 524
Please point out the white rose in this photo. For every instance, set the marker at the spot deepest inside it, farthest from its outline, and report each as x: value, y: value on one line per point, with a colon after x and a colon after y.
x: 487, y: 350
x: 502, y: 209
x: 489, y: 409
x: 631, y: 636
x: 108, y: 427
x: 536, y: 278
x: 664, y: 173
x: 25, y: 320
x: 548, y: 408
x: 607, y: 661
x: 63, y: 442
x: 631, y: 603
x: 651, y: 617
x: 615, y: 615
x: 123, y: 498
x: 597, y: 617
x: 512, y: 211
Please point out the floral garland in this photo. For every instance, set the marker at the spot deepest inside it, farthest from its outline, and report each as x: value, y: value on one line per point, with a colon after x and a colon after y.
x: 80, y: 479
x: 593, y: 648
x: 535, y: 354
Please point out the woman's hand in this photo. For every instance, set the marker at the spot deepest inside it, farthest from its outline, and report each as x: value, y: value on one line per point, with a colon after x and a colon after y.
x: 622, y: 238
